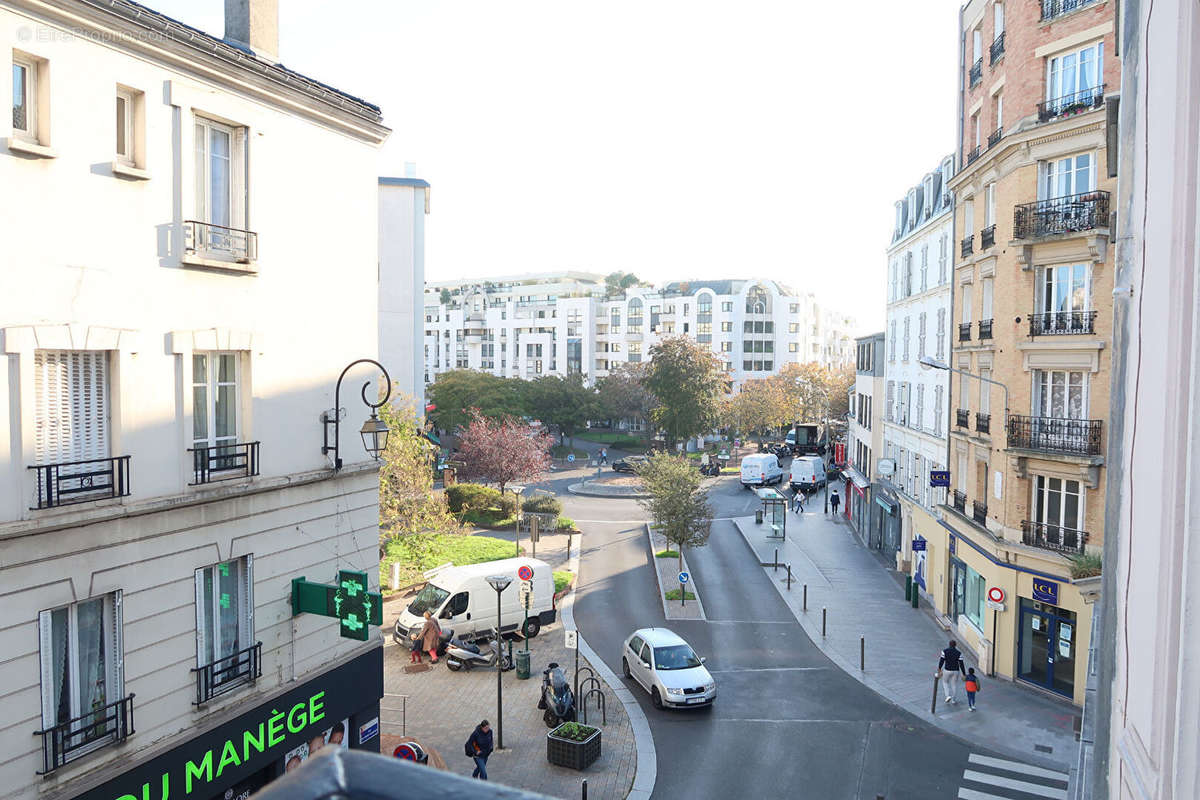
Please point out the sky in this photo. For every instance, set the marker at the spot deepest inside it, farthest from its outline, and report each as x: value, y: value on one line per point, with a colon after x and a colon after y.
x: 669, y: 139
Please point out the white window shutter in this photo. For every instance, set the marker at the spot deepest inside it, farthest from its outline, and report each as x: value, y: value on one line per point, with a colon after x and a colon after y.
x: 201, y: 621
x: 239, y: 163
x: 248, y: 598
x: 71, y: 405
x: 118, y: 648
x: 45, y: 637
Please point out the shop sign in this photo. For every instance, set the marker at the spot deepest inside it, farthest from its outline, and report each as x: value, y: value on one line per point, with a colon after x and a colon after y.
x: 348, y: 601
x: 886, y: 467
x: 939, y: 477
x: 368, y: 731
x: 1045, y: 591
x: 918, y: 545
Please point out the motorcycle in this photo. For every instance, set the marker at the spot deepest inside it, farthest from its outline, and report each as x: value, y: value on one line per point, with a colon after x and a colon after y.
x: 711, y: 469
x: 557, y: 698
x: 465, y: 655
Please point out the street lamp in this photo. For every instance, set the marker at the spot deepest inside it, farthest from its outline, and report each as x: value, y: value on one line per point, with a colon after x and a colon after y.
x: 499, y: 583
x: 374, y: 432
x: 518, y: 491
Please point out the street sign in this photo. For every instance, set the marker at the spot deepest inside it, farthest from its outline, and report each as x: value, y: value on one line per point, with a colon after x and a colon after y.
x: 939, y: 477
x: 525, y: 572
x: 526, y: 592
x: 572, y: 640
x: 684, y: 577
x: 571, y: 458
x: 886, y: 467
x: 348, y: 601
x: 918, y: 545
x: 995, y: 594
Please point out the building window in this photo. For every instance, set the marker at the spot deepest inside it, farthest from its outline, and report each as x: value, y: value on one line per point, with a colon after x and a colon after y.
x: 937, y: 408
x: 793, y: 347
x: 924, y: 267
x: 129, y: 127
x: 726, y: 327
x: 216, y: 399
x: 921, y: 335
x: 225, y: 620
x: 1068, y: 176
x: 966, y: 304
x: 989, y: 205
x: 1058, y: 502
x: 726, y: 347
x: 891, y: 399
x: 793, y: 327
x: 757, y: 301
x: 968, y: 592
x: 907, y: 325
x: 81, y: 664
x: 634, y: 322
x: 1063, y: 289
x: 943, y: 250
x: 220, y: 174
x: 894, y: 295
x: 892, y: 342
x: 727, y: 306
x: 1075, y: 74
x: 635, y: 351
x: 919, y: 417
x: 941, y: 334
x: 25, y: 98
x: 1059, y: 394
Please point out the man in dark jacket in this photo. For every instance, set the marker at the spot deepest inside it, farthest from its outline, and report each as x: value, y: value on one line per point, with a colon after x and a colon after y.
x: 950, y: 670
x: 481, y: 742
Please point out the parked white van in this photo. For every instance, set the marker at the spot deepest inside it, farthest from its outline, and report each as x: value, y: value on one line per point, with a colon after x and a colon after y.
x: 461, y: 598
x: 761, y: 469
x: 808, y: 473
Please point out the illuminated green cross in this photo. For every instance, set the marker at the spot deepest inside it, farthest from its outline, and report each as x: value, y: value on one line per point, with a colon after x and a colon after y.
x: 355, y: 608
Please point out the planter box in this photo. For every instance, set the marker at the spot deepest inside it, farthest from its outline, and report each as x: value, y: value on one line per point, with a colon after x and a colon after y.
x: 569, y: 753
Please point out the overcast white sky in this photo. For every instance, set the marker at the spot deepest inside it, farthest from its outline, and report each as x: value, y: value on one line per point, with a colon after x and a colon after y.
x: 670, y: 138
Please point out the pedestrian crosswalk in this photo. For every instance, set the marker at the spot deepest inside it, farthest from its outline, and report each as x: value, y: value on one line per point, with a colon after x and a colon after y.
x: 987, y: 778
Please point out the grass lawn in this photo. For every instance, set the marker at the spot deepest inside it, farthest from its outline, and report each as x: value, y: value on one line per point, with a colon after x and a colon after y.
x: 674, y: 595
x: 562, y: 579
x: 562, y: 451
x: 621, y: 441
x: 459, y: 550
x: 667, y: 554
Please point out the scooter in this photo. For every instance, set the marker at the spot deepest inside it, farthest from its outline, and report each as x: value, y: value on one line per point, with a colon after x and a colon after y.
x: 464, y: 655
x: 557, y: 698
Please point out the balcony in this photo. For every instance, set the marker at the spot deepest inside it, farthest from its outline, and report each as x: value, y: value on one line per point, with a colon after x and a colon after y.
x: 983, y: 422
x: 75, y: 737
x: 964, y: 331
x: 976, y: 74
x: 1053, y: 537
x: 220, y: 243
x: 1061, y: 215
x: 1071, y: 104
x: 968, y: 246
x: 996, y: 51
x: 985, y: 329
x: 1062, y: 323
x: 81, y: 481
x: 963, y: 418
x: 994, y: 137
x: 959, y: 499
x: 1056, y: 8
x: 1079, y: 437
x: 226, y: 674
x: 987, y: 237
x: 224, y: 462
x: 973, y: 154
x: 979, y: 512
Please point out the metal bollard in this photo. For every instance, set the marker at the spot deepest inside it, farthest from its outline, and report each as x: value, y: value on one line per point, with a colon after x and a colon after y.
x: 585, y: 789
x: 789, y: 578
x: 822, y: 620
x: 862, y: 653
x: 806, y: 598
x: 776, y: 559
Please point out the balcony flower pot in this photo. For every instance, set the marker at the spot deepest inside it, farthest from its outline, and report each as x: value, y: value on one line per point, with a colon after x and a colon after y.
x: 573, y: 745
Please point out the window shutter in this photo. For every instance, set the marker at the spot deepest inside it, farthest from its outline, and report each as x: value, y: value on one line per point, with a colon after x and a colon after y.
x: 45, y: 631
x: 118, y: 648
x: 239, y: 169
x: 201, y: 617
x: 248, y: 597
x: 71, y: 401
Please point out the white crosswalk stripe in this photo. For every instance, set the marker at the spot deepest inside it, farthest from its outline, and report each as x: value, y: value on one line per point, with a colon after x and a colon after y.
x: 988, y: 778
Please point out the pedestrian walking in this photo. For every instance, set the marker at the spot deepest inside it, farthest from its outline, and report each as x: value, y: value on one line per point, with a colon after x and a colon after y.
x: 603, y: 455
x: 479, y: 747
x: 971, y: 684
x: 431, y: 633
x: 834, y: 502
x: 798, y: 501
x: 950, y: 667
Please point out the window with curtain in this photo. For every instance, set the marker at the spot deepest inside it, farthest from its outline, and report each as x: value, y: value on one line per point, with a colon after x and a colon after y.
x: 1079, y: 71
x: 224, y: 616
x: 216, y: 400
x: 81, y: 668
x: 1063, y: 288
x: 1060, y: 394
x: 1069, y: 176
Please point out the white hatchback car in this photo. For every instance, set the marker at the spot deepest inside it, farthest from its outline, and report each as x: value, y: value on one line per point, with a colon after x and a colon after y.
x: 667, y: 667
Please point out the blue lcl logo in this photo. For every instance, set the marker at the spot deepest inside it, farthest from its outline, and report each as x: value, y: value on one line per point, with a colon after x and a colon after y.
x: 1045, y: 591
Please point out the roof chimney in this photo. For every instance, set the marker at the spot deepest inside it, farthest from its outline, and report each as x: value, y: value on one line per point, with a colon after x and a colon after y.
x: 254, y: 24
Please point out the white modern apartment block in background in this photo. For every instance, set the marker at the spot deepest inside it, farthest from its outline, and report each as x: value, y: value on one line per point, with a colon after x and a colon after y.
x: 180, y: 298
x: 567, y: 323
x: 920, y: 277
x: 403, y: 204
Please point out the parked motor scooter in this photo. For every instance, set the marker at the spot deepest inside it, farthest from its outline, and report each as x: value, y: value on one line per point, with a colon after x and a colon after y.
x: 557, y: 698
x: 465, y: 655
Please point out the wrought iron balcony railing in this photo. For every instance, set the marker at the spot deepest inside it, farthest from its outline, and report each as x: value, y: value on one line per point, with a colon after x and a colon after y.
x: 1055, y: 435
x: 94, y: 729
x: 1053, y: 537
x: 81, y: 481
x: 968, y: 246
x: 1071, y: 214
x: 224, y: 461
x: 964, y: 331
x: 997, y: 48
x: 1071, y: 104
x: 979, y: 512
x: 973, y: 154
x: 963, y: 418
x: 994, y: 137
x: 1056, y: 8
x: 987, y: 237
x: 960, y: 501
x: 205, y: 238
x: 985, y: 329
x: 1062, y: 323
x: 983, y: 422
x: 976, y: 73
x: 226, y: 674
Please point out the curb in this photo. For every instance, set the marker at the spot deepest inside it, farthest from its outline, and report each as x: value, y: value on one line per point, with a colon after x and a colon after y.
x: 662, y: 595
x: 646, y: 769
x: 582, y: 490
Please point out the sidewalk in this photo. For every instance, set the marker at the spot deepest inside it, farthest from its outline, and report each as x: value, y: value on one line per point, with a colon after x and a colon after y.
x: 902, y: 643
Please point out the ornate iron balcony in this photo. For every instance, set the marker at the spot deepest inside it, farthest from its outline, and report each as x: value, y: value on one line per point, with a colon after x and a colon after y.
x: 1061, y: 215
x: 985, y: 329
x: 994, y: 137
x: 987, y: 237
x: 225, y: 674
x: 100, y: 726
x: 963, y: 418
x: 205, y: 238
x: 976, y: 74
x: 983, y: 422
x: 997, y: 48
x: 1062, y: 323
x: 973, y: 154
x: 1053, y: 537
x: 81, y: 481
x: 1074, y: 436
x: 1056, y: 8
x: 968, y: 246
x: 1071, y: 104
x: 960, y: 501
x: 979, y: 512
x: 224, y: 461
x: 964, y: 331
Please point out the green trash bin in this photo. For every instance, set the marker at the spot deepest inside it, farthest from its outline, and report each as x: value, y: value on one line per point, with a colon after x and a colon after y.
x: 758, y: 517
x: 522, y: 660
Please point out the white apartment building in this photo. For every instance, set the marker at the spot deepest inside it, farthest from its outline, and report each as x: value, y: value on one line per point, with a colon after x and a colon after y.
x: 568, y: 323
x: 916, y: 400
x: 864, y: 434
x: 179, y: 303
x: 403, y: 204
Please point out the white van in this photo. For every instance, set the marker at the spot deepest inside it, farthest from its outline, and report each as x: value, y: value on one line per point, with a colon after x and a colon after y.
x: 808, y: 473
x: 761, y: 469
x: 460, y: 598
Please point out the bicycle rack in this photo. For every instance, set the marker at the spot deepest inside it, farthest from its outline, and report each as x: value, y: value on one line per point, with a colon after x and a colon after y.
x: 601, y: 704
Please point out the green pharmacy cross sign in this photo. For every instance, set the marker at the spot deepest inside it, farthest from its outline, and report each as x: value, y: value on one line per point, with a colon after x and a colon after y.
x: 348, y: 601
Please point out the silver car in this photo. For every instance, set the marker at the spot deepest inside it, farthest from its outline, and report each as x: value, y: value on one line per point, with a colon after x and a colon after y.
x: 667, y: 667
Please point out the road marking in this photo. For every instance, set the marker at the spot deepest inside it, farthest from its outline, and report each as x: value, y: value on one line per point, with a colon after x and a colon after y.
x: 1011, y: 783
x: 971, y: 794
x: 1017, y: 766
x: 766, y: 669
x: 752, y: 622
x: 616, y: 521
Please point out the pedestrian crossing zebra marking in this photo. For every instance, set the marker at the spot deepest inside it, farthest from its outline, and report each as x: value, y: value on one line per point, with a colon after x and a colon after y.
x: 1030, y: 781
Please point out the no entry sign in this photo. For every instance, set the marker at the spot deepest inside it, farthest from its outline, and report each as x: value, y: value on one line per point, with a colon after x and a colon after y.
x: 996, y: 594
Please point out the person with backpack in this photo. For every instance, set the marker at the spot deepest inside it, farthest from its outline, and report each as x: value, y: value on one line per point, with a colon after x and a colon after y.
x: 971, y: 684
x: 479, y: 747
x: 950, y: 667
x: 834, y: 502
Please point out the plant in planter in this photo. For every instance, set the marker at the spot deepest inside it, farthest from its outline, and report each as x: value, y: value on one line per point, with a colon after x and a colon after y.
x: 573, y: 745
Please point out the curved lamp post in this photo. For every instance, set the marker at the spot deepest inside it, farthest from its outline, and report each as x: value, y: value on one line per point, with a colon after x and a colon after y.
x: 374, y: 432
x: 499, y: 583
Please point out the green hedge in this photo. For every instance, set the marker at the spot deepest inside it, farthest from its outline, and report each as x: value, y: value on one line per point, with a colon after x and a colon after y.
x: 542, y: 504
x: 475, y: 497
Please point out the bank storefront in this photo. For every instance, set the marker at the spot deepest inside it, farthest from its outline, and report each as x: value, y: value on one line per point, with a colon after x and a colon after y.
x: 885, y: 520
x: 233, y: 759
x: 858, y: 500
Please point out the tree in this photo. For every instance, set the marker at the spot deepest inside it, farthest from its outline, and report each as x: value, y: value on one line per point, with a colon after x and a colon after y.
x: 456, y: 392
x: 688, y: 382
x: 841, y: 382
x: 618, y: 281
x: 761, y: 405
x: 444, y: 297
x: 501, y: 451
x: 677, y: 504
x: 563, y: 402
x: 622, y: 393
